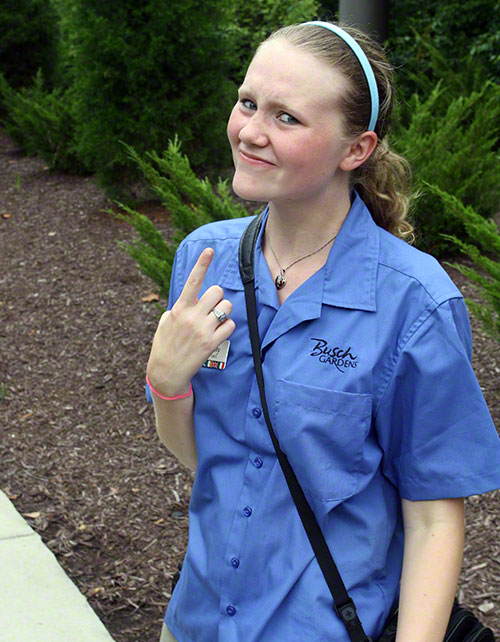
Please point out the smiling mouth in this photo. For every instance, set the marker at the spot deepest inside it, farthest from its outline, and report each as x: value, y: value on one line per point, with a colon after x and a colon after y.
x: 253, y: 160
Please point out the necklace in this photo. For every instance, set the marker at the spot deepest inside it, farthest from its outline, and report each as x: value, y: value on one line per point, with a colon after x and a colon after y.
x: 280, y: 280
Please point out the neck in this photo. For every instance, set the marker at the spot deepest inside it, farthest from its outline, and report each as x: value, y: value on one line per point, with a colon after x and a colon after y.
x: 297, y: 228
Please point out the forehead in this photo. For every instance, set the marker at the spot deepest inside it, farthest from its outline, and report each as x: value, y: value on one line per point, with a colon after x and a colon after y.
x: 288, y: 72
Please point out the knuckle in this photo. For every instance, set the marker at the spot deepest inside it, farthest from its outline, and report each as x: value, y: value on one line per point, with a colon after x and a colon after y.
x: 229, y: 328
x: 206, y: 344
x: 174, y: 313
x: 163, y: 319
x: 216, y: 290
x: 189, y: 324
x: 193, y: 281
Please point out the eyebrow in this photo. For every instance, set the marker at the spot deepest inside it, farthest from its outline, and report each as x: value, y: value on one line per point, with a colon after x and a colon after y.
x: 273, y: 103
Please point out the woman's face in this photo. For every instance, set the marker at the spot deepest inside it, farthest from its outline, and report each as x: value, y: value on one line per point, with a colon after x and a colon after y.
x: 286, y: 128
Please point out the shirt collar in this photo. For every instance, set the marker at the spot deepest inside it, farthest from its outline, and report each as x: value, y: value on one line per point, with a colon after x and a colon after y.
x: 231, y: 277
x: 351, y: 267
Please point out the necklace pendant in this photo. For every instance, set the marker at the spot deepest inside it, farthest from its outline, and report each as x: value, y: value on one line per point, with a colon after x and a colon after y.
x: 280, y: 280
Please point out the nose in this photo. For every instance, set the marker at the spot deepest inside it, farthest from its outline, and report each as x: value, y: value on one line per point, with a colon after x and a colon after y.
x: 254, y: 131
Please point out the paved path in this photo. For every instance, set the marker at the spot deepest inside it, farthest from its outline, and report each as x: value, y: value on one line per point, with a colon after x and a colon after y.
x: 38, y: 602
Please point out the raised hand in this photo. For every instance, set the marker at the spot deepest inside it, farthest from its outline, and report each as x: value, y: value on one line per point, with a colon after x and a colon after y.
x: 189, y: 332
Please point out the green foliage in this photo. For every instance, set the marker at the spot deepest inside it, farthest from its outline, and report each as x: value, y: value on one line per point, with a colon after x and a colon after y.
x: 483, y: 247
x: 253, y: 22
x: 41, y: 123
x: 470, y: 77
x: 451, y: 142
x: 28, y: 42
x: 67, y: 43
x: 142, y: 71
x: 461, y: 31
x: 191, y: 202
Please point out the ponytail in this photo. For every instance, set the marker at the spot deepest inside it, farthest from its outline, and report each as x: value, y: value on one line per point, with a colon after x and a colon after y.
x: 383, y: 183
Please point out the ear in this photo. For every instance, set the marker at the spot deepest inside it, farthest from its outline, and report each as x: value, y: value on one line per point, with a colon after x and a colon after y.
x: 359, y: 151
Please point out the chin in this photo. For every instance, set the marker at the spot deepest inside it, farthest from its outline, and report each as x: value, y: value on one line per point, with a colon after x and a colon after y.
x: 248, y: 192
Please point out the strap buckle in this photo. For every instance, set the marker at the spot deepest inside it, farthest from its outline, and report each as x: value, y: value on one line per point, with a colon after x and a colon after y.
x: 347, y: 611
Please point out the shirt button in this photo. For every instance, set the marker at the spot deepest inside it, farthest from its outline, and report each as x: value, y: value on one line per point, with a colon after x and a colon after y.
x: 230, y: 610
x: 256, y: 412
x: 247, y: 511
x: 257, y: 462
x: 235, y: 562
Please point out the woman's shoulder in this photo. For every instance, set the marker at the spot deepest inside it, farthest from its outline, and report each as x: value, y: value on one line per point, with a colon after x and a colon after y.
x: 407, y: 263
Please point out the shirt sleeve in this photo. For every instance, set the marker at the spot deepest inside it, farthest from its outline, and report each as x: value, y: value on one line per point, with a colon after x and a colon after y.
x: 433, y: 423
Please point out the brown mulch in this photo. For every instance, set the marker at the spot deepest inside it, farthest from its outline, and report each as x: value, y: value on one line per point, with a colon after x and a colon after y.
x: 79, y: 454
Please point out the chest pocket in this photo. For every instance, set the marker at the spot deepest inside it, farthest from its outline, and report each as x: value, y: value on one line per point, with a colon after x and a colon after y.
x: 322, y: 432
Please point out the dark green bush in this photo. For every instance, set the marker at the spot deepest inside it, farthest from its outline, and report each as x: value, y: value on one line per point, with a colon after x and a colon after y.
x: 143, y: 70
x: 41, y: 123
x: 28, y: 40
x: 252, y: 22
x: 451, y: 142
x: 460, y: 31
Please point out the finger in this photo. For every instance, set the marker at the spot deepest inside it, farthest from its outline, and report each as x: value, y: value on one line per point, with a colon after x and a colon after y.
x: 223, y: 307
x: 224, y: 331
x: 194, y: 281
x: 210, y: 298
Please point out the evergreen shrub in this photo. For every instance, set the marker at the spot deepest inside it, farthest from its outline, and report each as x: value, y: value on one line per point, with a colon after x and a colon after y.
x: 452, y: 143
x: 461, y: 31
x: 28, y: 40
x: 252, y: 22
x: 190, y: 201
x: 483, y: 248
x: 41, y: 123
x: 144, y: 70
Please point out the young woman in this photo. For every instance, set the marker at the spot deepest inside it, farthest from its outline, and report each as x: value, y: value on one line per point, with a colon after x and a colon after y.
x: 366, y: 354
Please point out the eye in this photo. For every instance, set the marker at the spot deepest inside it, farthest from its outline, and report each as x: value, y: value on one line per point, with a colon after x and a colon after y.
x: 248, y: 104
x: 287, y: 118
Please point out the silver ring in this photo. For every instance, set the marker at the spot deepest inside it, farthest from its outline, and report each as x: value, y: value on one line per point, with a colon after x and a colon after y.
x: 221, y: 316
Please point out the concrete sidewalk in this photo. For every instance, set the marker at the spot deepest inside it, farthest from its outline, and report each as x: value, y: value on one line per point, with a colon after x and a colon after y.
x: 38, y: 602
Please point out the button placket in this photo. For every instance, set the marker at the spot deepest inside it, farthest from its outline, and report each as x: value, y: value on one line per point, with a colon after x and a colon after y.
x: 233, y: 587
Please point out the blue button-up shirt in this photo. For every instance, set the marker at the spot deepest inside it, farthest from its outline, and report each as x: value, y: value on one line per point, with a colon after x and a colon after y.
x: 372, y: 397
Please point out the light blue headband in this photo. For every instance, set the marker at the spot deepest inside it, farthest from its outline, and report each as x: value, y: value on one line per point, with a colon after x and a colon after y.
x: 363, y: 61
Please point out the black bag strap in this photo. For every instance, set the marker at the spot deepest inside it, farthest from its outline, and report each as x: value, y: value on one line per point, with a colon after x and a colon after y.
x: 343, y: 604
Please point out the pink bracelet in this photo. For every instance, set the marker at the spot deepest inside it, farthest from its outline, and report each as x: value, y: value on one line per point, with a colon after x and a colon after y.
x: 188, y: 394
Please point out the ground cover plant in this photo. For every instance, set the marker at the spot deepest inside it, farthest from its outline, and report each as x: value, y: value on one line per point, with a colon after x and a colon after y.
x: 42, y: 123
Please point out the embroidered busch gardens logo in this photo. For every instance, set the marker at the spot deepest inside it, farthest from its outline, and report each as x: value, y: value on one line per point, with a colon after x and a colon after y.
x: 341, y: 358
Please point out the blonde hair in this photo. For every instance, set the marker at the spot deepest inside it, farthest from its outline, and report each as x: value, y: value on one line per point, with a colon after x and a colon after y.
x: 384, y: 178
